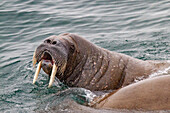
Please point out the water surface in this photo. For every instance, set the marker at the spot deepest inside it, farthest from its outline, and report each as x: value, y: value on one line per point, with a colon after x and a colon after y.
x: 134, y: 27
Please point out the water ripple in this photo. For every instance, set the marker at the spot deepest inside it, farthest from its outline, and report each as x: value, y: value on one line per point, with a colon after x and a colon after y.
x: 134, y: 27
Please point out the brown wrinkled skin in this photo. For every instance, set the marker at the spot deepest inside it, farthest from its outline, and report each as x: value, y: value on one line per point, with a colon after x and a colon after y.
x: 149, y: 94
x: 95, y: 68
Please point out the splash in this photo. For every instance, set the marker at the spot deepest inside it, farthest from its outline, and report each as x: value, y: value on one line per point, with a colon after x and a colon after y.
x: 166, y: 71
x: 139, y: 79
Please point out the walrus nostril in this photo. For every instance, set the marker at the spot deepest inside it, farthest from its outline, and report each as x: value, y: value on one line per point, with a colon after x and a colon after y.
x: 54, y: 42
x: 47, y: 41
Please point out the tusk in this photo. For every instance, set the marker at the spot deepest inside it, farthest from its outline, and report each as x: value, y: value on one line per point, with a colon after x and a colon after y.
x: 37, y: 71
x: 54, y: 71
x: 34, y: 60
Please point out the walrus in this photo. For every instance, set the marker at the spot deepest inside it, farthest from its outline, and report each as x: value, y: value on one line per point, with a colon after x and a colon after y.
x: 148, y: 94
x: 79, y: 63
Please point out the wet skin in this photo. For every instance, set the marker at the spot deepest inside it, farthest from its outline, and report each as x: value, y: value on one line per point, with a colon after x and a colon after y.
x: 149, y: 94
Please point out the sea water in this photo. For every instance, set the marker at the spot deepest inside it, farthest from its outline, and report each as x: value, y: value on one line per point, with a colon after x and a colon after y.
x: 139, y: 28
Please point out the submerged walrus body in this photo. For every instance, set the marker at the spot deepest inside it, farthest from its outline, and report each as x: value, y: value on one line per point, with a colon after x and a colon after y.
x: 149, y: 94
x: 79, y: 63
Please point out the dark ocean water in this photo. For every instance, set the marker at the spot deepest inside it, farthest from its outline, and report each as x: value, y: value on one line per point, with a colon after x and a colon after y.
x: 139, y: 28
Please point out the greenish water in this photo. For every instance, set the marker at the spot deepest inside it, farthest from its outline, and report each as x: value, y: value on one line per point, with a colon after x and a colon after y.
x: 139, y: 28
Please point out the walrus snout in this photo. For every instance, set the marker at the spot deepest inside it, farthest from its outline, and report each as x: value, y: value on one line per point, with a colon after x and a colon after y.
x: 52, y: 56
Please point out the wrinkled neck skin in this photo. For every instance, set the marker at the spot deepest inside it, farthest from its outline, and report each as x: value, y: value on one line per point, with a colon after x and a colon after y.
x: 95, y: 68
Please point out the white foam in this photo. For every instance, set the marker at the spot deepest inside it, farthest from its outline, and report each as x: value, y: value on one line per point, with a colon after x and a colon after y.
x: 89, y: 95
x: 166, y: 71
x: 139, y: 79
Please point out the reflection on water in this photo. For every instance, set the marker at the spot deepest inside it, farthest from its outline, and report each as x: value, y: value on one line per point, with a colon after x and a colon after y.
x: 137, y: 28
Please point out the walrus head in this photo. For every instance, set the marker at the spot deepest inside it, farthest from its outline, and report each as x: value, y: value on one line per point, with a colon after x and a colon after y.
x: 52, y: 56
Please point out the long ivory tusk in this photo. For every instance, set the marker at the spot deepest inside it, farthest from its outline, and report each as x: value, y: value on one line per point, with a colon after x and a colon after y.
x: 54, y: 71
x: 34, y: 60
x: 37, y: 72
